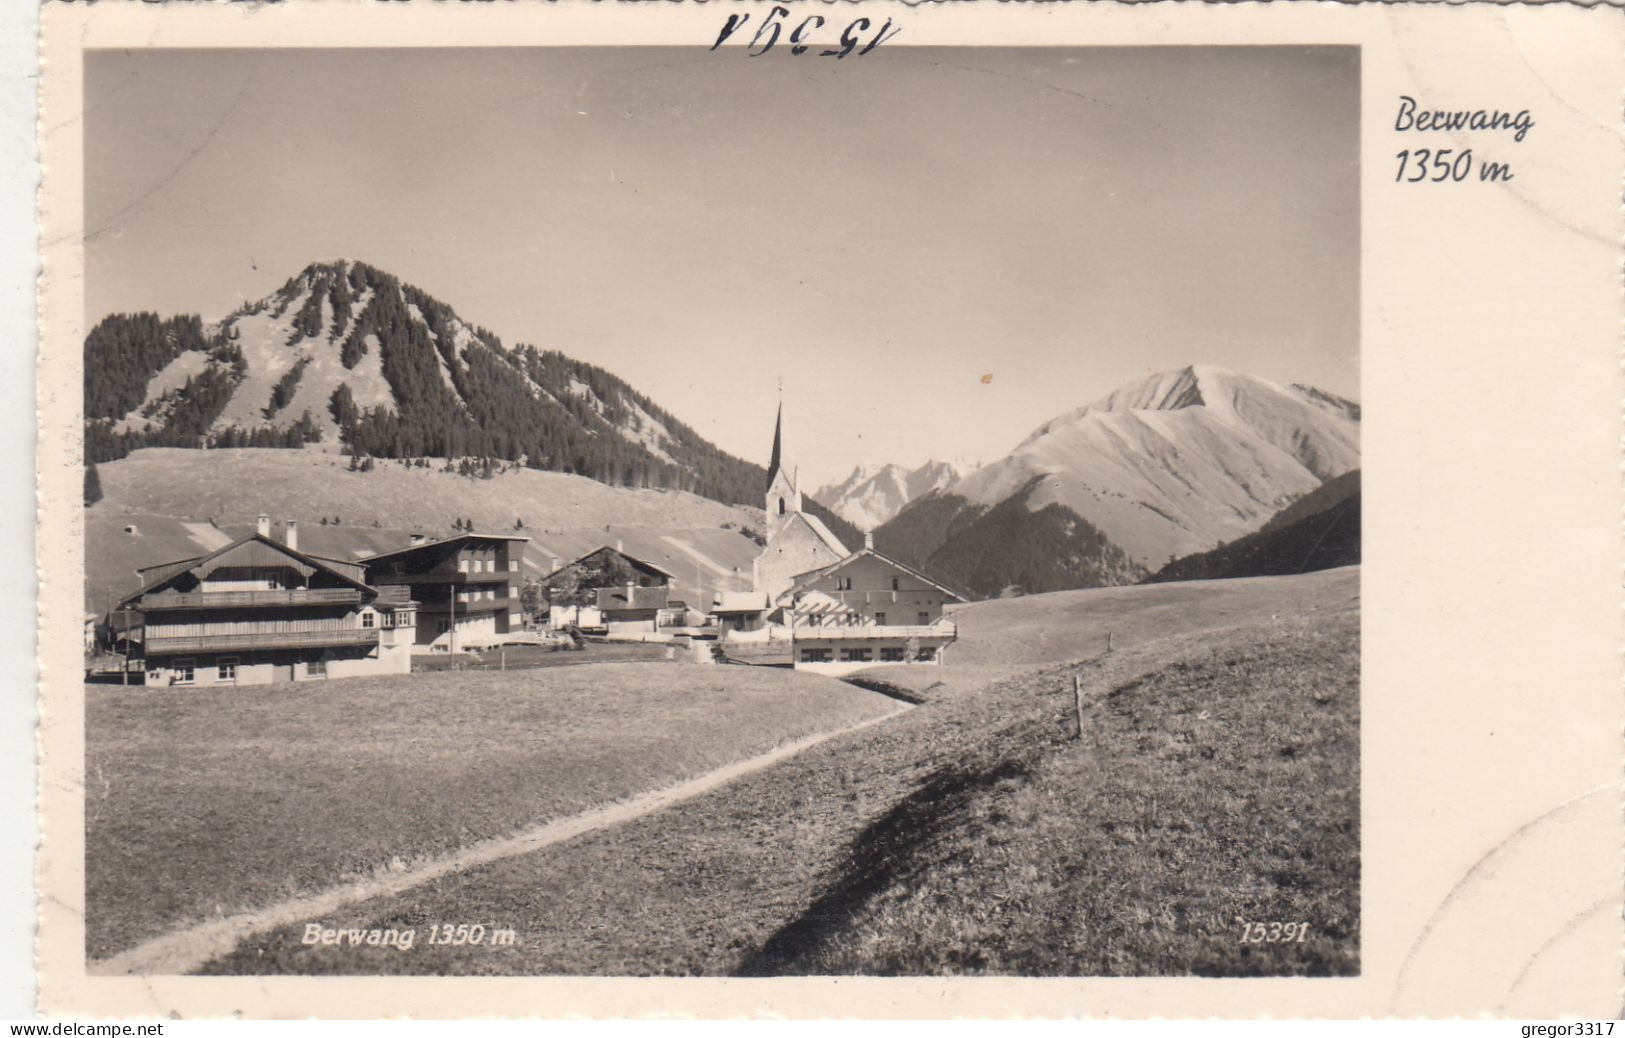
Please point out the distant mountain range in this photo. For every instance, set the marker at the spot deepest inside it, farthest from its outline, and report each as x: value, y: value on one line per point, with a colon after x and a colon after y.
x: 873, y: 494
x: 1168, y: 466
x: 347, y: 353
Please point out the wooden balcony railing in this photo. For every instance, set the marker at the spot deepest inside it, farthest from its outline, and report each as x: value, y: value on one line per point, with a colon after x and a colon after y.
x: 169, y: 646
x: 252, y: 599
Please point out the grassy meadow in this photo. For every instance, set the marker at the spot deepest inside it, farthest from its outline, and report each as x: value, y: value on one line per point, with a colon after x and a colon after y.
x: 1215, y: 781
x: 201, y: 802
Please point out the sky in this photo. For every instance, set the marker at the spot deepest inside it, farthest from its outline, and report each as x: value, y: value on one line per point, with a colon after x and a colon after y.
x: 935, y: 249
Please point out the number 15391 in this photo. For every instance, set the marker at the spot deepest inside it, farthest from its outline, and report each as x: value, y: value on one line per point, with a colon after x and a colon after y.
x: 1272, y: 932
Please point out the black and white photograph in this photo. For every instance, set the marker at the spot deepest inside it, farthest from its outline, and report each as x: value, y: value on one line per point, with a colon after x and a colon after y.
x: 586, y: 511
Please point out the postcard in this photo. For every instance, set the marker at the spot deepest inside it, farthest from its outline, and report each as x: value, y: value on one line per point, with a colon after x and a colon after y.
x: 830, y: 510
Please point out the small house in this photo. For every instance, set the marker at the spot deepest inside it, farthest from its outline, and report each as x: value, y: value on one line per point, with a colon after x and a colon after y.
x: 740, y: 610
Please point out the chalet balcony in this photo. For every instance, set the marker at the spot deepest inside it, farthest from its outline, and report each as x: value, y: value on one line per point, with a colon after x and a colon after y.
x: 875, y: 632
x: 873, y: 598
x: 249, y: 599
x: 499, y: 604
x: 337, y: 636
x: 500, y: 576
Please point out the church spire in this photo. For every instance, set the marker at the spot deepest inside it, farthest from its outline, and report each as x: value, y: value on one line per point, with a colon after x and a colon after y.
x: 773, y: 463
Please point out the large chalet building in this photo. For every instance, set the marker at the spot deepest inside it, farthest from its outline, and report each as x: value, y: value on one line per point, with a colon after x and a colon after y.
x: 864, y: 610
x: 466, y: 588
x: 259, y: 612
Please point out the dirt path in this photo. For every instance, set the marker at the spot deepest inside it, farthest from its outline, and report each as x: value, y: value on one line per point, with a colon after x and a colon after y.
x: 182, y: 951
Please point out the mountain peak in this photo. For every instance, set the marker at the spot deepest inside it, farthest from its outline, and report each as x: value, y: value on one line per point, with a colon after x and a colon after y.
x: 873, y: 493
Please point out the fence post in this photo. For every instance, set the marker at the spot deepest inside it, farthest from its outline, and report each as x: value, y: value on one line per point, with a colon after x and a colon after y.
x: 1077, y: 702
x: 1108, y: 641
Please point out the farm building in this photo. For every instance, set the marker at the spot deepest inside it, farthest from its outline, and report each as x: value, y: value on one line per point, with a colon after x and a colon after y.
x: 864, y: 610
x: 578, y: 582
x: 631, y: 609
x: 257, y: 612
x: 624, y: 593
x: 796, y: 541
x: 465, y: 587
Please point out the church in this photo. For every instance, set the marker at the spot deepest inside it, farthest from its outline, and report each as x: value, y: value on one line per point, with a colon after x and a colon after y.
x: 845, y: 610
x: 797, y: 542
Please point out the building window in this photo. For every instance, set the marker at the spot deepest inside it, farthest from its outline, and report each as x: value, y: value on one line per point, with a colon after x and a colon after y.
x: 815, y: 655
x: 185, y: 672
x: 880, y: 619
x: 397, y: 568
x: 894, y: 585
x: 442, y: 626
x: 891, y: 654
x: 513, y: 565
x: 781, y: 506
x: 927, y: 654
x: 316, y: 668
x: 367, y: 617
x: 462, y: 565
x: 226, y: 668
x: 856, y: 655
x: 925, y: 619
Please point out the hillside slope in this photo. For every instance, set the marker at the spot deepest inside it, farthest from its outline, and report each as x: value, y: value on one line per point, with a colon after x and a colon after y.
x: 1218, y: 776
x: 1320, y: 531
x: 1167, y: 466
x: 185, y: 502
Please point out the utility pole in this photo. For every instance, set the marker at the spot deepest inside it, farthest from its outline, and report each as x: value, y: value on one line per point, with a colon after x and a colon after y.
x: 451, y: 625
x: 124, y: 657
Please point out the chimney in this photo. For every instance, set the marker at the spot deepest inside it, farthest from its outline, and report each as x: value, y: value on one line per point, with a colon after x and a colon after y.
x: 262, y: 525
x: 620, y: 545
x: 869, y: 539
x: 292, y: 536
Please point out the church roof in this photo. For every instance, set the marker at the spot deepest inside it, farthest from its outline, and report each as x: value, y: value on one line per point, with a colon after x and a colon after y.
x: 824, y: 533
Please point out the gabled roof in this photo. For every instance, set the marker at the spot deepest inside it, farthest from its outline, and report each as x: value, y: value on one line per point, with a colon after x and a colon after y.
x: 645, y: 563
x: 822, y: 532
x: 797, y: 581
x: 370, y: 559
x: 741, y: 602
x: 154, y: 577
x: 612, y: 598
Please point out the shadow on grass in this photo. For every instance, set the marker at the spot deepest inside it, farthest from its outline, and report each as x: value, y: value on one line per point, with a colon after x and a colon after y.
x: 883, y: 853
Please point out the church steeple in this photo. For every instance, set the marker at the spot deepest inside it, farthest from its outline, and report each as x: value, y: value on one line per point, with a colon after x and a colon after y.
x: 782, y: 496
x: 773, y: 463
